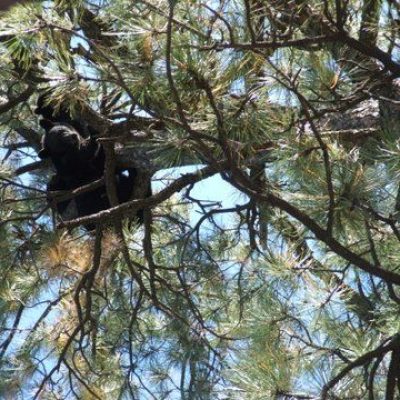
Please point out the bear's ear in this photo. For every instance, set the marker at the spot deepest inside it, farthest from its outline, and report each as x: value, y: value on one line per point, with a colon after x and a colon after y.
x: 43, y: 153
x: 46, y: 124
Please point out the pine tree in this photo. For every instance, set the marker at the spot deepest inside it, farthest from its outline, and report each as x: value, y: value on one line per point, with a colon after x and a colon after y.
x: 284, y: 286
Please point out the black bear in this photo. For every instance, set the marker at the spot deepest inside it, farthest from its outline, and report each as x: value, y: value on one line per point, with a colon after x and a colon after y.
x: 79, y: 160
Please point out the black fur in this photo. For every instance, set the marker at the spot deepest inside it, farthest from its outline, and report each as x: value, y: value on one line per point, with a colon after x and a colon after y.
x: 76, y: 160
x: 79, y: 160
x: 61, y: 115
